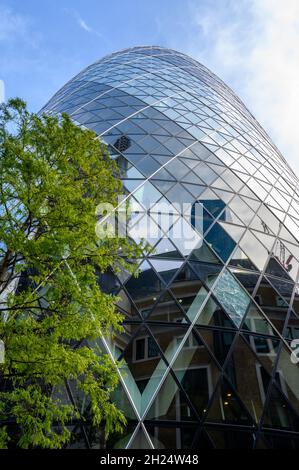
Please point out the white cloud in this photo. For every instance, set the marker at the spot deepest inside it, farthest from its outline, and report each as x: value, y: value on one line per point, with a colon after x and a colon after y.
x: 83, y: 24
x: 253, y: 45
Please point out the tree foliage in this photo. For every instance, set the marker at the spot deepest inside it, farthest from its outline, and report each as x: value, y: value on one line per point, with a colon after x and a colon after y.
x: 53, y: 175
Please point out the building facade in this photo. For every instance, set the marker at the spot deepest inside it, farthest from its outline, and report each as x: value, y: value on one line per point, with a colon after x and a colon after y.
x: 209, y: 344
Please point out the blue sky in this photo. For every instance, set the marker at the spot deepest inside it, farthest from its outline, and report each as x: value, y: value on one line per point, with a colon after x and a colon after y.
x: 251, y: 44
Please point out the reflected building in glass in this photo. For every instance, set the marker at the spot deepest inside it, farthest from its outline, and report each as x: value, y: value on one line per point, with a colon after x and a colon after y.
x: 211, y: 320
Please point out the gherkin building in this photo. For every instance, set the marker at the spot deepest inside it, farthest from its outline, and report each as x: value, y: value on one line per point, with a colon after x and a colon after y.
x: 208, y: 351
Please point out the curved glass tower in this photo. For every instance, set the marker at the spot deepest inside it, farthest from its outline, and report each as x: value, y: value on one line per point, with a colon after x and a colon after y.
x: 212, y: 319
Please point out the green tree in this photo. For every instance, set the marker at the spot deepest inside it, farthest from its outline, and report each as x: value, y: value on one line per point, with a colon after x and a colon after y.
x: 53, y: 175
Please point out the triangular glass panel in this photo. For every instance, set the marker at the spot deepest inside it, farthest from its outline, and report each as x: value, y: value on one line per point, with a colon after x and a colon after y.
x: 167, y: 310
x: 220, y: 241
x: 204, y: 254
x: 226, y: 196
x: 287, y: 376
x: 283, y: 288
x: 292, y: 329
x: 184, y: 237
x: 246, y: 278
x: 265, y: 348
x: 177, y: 168
x: 273, y: 305
x: 265, y: 239
x: 132, y: 206
x: 165, y: 249
x: 147, y: 195
x: 275, y: 268
x: 143, y: 358
x: 168, y: 337
x: 142, y: 227
x: 167, y: 269
x: 164, y: 220
x: 202, y: 441
x: 207, y: 273
x: 170, y: 403
x: 171, y: 437
x: 288, y: 256
x: 127, y: 307
x: 131, y: 184
x: 163, y: 206
x: 164, y: 177
x: 235, y: 231
x: 256, y: 322
x: 255, y: 249
x: 196, y: 371
x: 278, y: 441
x: 220, y: 184
x: 232, y: 439
x: 258, y: 224
x: 179, y: 195
x: 119, y: 397
x: 194, y: 189
x: 147, y: 285
x: 162, y: 186
x: 279, y: 414
x: 213, y: 315
x: 251, y: 389
x: 140, y: 440
x: 219, y: 342
x: 227, y: 407
x: 239, y: 259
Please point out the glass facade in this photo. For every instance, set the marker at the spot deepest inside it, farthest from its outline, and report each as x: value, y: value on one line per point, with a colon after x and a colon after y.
x: 211, y: 320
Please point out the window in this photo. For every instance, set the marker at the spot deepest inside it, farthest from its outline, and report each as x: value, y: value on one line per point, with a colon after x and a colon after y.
x: 123, y: 143
x: 280, y: 302
x: 145, y: 348
x: 191, y: 341
x: 292, y: 332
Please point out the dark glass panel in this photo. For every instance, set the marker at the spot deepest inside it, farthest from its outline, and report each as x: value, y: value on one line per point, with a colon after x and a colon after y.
x: 197, y: 372
x: 280, y: 441
x: 146, y: 287
x: 288, y: 376
x: 220, y: 241
x: 275, y: 269
x: 292, y: 329
x: 219, y: 342
x: 167, y: 310
x: 227, y: 407
x: 265, y: 348
x: 278, y: 413
x: 171, y: 437
x: 232, y: 439
x: 244, y: 370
